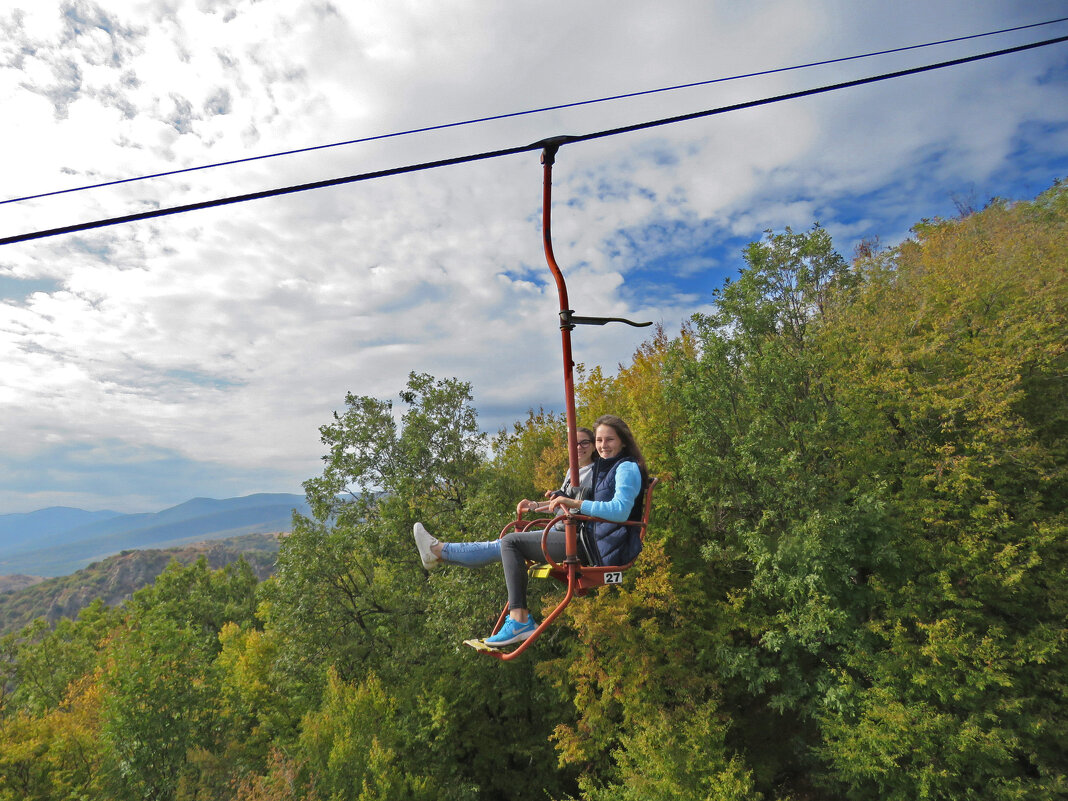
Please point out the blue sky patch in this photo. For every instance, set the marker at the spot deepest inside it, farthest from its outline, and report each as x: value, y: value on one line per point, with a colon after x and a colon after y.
x: 19, y: 289
x: 203, y: 379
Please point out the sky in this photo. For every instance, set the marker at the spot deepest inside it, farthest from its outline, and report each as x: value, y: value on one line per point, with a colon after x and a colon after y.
x: 197, y: 355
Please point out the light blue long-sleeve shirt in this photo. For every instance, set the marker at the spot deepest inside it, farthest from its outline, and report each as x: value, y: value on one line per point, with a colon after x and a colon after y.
x: 628, y: 485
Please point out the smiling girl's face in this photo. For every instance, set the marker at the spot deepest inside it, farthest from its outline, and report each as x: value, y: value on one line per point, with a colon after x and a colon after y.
x: 609, y: 444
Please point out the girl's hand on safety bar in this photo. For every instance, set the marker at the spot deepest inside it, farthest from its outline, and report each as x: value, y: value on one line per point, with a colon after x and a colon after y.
x: 565, y: 503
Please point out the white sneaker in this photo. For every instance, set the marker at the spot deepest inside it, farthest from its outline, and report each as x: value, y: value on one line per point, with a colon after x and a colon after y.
x: 423, y: 541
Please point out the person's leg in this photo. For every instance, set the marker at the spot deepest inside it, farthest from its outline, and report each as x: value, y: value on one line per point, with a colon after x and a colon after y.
x: 471, y: 554
x: 516, y: 549
x: 433, y: 551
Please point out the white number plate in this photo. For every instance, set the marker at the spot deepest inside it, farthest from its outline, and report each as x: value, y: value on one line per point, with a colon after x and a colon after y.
x: 613, y: 578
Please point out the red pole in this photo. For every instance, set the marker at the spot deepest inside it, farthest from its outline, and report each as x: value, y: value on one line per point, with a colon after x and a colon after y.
x: 571, y: 560
x: 548, y: 156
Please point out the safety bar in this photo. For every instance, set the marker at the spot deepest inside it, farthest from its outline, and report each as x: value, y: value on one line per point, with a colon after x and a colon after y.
x: 545, y: 536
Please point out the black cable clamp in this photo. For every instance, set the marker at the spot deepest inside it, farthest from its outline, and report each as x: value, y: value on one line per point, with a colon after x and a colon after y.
x: 551, y: 145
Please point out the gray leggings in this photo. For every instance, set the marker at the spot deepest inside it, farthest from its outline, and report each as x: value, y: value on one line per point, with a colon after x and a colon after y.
x: 517, y: 548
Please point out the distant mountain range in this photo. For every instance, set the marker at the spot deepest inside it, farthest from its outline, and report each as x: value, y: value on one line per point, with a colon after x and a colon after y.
x: 60, y: 540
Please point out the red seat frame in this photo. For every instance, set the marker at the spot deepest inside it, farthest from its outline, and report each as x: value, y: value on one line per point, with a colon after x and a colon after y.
x: 591, y: 576
x: 578, y: 578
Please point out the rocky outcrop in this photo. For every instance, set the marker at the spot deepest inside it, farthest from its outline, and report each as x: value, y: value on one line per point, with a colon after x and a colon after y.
x: 118, y: 577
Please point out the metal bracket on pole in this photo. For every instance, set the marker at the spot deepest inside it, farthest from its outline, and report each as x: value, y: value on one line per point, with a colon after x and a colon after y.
x: 568, y: 320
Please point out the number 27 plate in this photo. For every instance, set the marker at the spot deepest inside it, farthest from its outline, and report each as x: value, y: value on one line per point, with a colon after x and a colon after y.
x: 615, y: 577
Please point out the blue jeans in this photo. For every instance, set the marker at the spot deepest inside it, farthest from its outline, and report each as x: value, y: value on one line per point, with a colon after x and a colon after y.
x: 472, y: 554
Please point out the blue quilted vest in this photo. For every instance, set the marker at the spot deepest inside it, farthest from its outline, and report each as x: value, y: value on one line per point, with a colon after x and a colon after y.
x: 605, y: 542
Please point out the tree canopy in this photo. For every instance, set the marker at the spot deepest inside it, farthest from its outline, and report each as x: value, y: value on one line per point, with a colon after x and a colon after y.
x: 854, y: 586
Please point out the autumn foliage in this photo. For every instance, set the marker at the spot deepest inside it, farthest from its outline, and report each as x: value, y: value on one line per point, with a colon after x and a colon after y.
x: 855, y: 585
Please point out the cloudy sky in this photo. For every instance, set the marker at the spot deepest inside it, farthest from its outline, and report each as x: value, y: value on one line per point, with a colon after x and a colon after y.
x: 197, y: 355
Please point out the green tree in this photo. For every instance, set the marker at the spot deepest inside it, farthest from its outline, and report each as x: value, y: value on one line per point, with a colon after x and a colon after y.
x: 259, y: 704
x: 348, y: 579
x: 57, y: 753
x: 50, y: 729
x: 665, y: 756
x: 161, y: 694
x: 789, y: 532
x: 427, y: 464
x: 44, y: 659
x: 157, y: 706
x: 202, y: 599
x: 350, y: 594
x: 952, y: 361
x: 352, y: 744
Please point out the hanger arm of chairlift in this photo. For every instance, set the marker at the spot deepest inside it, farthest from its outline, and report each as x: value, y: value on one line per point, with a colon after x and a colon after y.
x: 568, y: 319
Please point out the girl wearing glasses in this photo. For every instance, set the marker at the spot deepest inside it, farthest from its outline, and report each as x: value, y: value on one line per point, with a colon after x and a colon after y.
x: 433, y: 551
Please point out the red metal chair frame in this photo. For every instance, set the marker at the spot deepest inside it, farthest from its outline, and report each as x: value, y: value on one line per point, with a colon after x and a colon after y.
x: 578, y: 578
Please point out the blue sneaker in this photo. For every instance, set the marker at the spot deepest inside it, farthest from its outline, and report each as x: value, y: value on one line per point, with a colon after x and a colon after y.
x: 512, y: 632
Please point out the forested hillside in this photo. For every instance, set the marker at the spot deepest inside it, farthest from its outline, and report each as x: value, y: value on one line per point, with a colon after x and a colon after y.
x: 117, y: 577
x: 854, y: 586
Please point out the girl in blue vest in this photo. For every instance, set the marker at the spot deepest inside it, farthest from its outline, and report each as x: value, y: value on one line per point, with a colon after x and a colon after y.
x: 618, y: 479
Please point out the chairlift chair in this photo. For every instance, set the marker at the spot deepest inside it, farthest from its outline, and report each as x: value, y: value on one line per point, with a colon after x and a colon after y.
x: 578, y: 578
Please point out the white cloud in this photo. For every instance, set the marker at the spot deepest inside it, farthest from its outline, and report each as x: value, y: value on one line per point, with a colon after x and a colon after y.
x: 209, y: 347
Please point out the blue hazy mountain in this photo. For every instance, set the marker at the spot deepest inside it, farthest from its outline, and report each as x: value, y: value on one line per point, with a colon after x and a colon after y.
x: 17, y: 529
x: 59, y: 540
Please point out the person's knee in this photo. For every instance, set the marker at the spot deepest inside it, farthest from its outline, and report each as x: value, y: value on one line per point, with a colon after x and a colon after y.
x: 509, y: 543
